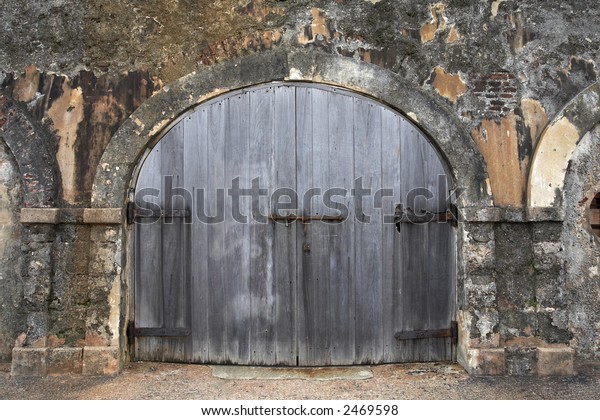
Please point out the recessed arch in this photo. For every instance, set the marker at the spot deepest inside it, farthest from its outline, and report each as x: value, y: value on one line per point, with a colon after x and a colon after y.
x: 556, y: 146
x: 133, y: 138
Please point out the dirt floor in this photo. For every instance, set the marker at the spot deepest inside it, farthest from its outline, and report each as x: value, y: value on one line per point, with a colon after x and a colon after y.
x: 144, y: 380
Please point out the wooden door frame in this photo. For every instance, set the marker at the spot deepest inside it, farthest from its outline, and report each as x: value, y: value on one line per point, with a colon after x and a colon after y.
x: 117, y: 172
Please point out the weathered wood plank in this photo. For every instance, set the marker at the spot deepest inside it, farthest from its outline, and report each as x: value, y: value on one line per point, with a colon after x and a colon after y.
x: 236, y: 260
x: 195, y: 169
x: 148, y: 274
x: 391, y: 269
x: 173, y: 244
x: 304, y: 172
x: 284, y: 237
x: 262, y: 284
x: 341, y: 235
x: 368, y: 235
x: 218, y: 294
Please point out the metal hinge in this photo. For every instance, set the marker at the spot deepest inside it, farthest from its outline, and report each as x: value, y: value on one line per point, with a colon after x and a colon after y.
x: 133, y: 332
x: 451, y: 332
x: 402, y: 215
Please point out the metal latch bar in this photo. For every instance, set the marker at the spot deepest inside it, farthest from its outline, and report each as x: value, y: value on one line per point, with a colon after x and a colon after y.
x: 292, y: 218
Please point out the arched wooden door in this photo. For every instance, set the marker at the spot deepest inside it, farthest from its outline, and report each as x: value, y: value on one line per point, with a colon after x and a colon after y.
x: 325, y: 269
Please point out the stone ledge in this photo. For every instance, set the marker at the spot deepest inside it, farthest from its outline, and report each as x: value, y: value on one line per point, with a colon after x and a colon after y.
x: 106, y: 216
x: 88, y: 360
x: 555, y: 361
x: 510, y: 214
x: 53, y: 216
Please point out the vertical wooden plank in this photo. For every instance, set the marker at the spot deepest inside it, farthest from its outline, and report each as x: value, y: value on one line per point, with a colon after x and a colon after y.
x: 316, y: 277
x: 218, y: 293
x: 195, y: 168
x: 341, y: 235
x: 368, y: 234
x: 391, y: 269
x: 415, y: 310
x: 262, y: 283
x: 173, y: 267
x: 304, y: 173
x: 284, y: 236
x: 236, y: 261
x: 148, y: 273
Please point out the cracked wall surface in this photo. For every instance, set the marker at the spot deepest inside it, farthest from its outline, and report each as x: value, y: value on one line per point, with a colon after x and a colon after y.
x: 72, y: 73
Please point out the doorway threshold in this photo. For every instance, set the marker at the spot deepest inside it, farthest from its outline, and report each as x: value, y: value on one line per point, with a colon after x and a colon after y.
x: 329, y: 373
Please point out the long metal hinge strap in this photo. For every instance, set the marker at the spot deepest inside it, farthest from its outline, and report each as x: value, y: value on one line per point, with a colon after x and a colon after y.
x: 161, y: 332
x: 451, y: 332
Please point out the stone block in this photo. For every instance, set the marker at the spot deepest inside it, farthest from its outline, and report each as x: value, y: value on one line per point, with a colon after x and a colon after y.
x: 98, y: 361
x: 521, y: 361
x: 39, y: 215
x: 555, y: 361
x: 64, y: 360
x: 483, y: 362
x: 106, y: 216
x: 28, y: 361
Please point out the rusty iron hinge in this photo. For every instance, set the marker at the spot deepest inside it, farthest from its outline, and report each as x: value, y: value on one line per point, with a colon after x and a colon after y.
x: 409, y: 216
x: 133, y: 331
x: 451, y: 332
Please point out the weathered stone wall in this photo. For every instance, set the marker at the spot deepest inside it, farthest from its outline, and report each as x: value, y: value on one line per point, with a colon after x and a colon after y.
x: 580, y: 248
x: 12, y: 314
x: 72, y: 73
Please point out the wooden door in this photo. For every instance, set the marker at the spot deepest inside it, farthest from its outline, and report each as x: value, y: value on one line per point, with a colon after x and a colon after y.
x: 327, y: 281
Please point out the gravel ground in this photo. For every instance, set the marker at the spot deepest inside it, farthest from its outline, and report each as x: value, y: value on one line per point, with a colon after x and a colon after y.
x: 407, y: 381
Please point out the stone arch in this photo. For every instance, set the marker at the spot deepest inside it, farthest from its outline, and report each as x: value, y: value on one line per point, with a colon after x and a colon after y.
x: 557, y: 145
x: 30, y: 146
x: 129, y: 143
x: 12, y: 320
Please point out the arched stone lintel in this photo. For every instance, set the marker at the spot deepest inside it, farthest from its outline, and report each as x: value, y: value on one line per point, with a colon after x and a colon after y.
x: 556, y: 146
x: 30, y: 144
x: 130, y: 142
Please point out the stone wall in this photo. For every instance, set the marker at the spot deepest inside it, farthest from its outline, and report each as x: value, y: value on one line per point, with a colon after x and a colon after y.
x: 502, y: 71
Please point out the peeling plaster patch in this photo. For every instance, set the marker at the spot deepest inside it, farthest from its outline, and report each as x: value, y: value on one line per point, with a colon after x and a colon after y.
x: 453, y: 35
x: 438, y: 22
x: 495, y: 5
x: 593, y: 271
x: 535, y: 118
x: 373, y: 1
x: 450, y: 86
x: 413, y: 116
x: 114, y: 299
x: 498, y: 143
x: 66, y: 113
x: 320, y: 29
x: 26, y: 85
x: 550, y: 162
x: 159, y: 126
